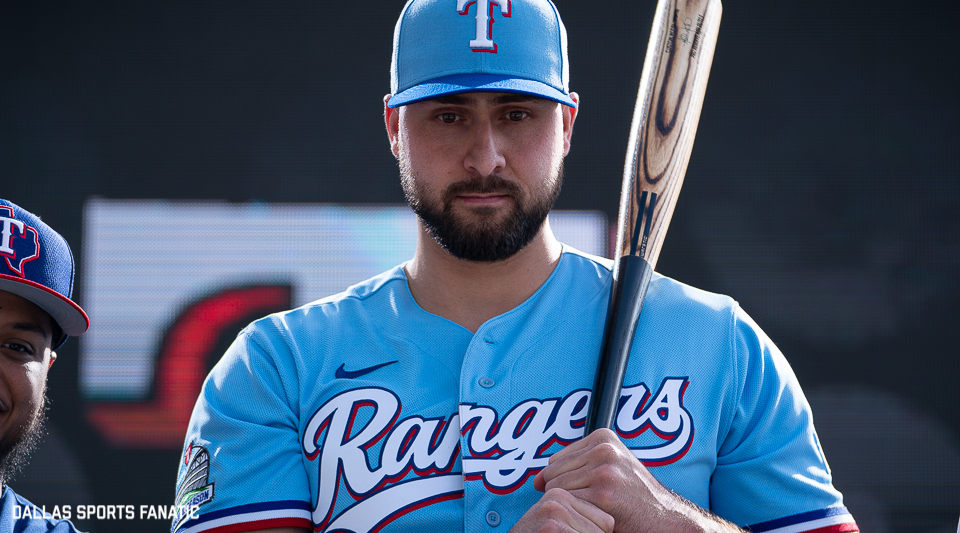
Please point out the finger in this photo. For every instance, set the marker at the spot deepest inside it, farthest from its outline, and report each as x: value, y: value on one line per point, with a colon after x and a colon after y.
x: 573, y: 447
x: 596, y: 518
x: 571, y: 513
x: 573, y: 467
x: 598, y: 436
x: 581, y: 454
x: 572, y: 451
x: 605, y: 464
x: 539, y: 482
x: 566, y: 464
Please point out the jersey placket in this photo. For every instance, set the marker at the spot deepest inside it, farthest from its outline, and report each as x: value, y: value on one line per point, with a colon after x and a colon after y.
x: 485, y: 395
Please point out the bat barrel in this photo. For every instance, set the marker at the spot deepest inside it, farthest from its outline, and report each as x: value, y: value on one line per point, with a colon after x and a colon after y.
x: 623, y: 313
x: 672, y: 86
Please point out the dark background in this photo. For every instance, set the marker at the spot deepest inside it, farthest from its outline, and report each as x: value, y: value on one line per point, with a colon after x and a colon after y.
x: 823, y: 190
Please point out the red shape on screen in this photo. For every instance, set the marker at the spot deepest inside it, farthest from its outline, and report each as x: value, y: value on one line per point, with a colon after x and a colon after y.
x: 161, y: 422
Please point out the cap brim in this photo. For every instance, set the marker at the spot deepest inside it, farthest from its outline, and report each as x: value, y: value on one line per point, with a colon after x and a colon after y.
x: 469, y: 83
x: 68, y: 315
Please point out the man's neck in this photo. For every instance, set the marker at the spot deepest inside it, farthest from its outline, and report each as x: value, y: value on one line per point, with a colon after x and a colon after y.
x: 470, y: 293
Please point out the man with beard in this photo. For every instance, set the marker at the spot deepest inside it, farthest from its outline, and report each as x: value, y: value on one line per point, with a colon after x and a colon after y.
x: 36, y: 317
x: 449, y: 393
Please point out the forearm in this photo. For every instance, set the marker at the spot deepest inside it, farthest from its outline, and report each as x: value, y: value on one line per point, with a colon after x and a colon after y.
x: 665, y: 511
x: 684, y: 516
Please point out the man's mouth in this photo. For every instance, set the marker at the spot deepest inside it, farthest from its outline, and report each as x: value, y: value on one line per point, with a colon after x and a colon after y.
x: 483, y: 198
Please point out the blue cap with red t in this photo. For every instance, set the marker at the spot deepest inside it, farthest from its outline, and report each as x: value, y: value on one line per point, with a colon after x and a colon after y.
x: 442, y: 48
x: 36, y: 264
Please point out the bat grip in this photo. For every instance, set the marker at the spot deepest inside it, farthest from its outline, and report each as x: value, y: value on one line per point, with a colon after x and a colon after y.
x: 623, y: 313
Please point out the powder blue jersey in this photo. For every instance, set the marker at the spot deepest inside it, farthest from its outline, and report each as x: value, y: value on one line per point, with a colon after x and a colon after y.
x: 17, y: 515
x: 362, y: 412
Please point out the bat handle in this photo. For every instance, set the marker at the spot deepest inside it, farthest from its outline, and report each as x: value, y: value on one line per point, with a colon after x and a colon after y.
x: 623, y: 313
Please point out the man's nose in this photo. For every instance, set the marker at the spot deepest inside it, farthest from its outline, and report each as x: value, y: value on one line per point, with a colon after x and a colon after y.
x: 485, y: 155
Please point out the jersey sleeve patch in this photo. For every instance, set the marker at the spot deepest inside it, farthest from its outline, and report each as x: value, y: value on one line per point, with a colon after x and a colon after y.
x: 251, y: 517
x: 830, y: 520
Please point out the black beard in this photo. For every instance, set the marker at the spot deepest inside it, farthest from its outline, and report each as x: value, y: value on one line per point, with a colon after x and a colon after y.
x: 488, y: 240
x: 16, y: 455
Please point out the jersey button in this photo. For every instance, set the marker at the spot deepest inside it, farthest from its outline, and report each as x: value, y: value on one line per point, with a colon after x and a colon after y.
x: 493, y: 518
x: 486, y: 383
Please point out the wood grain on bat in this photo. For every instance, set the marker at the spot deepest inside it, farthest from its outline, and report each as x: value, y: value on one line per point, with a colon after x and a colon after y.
x: 665, y: 120
x: 672, y: 87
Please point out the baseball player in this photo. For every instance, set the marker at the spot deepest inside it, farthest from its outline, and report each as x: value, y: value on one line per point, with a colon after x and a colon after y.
x: 449, y: 393
x: 36, y: 317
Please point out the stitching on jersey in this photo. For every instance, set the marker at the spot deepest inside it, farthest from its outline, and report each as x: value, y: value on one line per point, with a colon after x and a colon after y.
x: 270, y: 357
x: 738, y: 371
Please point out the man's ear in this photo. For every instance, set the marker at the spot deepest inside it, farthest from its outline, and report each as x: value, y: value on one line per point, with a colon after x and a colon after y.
x: 569, y: 117
x: 391, y: 118
x: 53, y: 357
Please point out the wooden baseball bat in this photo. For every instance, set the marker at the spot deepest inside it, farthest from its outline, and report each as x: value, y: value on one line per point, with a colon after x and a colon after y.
x: 672, y: 87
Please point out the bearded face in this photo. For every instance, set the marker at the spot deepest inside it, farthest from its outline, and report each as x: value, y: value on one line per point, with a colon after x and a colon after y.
x: 481, y: 170
x: 16, y: 449
x: 483, y: 234
x: 26, y: 333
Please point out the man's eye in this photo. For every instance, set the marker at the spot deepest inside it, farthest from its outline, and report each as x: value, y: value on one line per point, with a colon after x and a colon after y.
x: 15, y: 347
x: 448, y: 118
x: 517, y: 116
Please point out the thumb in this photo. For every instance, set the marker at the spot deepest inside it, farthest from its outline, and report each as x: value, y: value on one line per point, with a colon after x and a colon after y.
x: 539, y: 482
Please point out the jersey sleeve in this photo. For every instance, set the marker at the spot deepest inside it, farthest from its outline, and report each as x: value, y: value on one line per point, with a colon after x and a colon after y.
x: 771, y: 473
x: 241, y: 468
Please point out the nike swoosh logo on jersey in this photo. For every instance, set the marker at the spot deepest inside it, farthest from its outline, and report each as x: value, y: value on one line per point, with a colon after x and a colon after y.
x: 347, y: 374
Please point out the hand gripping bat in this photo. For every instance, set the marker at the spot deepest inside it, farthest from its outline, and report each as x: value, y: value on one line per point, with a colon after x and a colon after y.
x: 672, y: 87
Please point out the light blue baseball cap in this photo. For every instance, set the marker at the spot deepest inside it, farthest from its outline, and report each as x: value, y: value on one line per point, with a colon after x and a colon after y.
x: 444, y: 47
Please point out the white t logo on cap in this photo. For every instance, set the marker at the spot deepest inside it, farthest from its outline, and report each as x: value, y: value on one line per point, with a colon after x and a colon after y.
x: 6, y: 234
x: 483, y: 42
